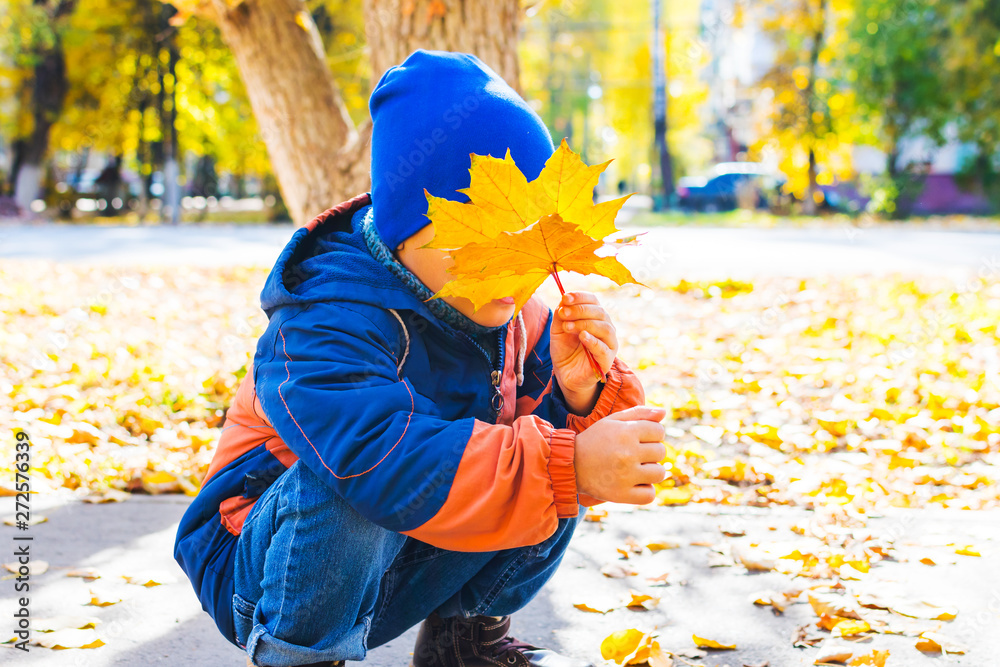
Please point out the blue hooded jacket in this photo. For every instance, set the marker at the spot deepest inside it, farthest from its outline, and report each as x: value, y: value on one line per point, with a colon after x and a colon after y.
x: 417, y: 426
x: 393, y: 408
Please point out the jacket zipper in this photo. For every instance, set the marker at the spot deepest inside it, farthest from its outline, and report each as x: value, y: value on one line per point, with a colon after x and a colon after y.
x: 496, y: 374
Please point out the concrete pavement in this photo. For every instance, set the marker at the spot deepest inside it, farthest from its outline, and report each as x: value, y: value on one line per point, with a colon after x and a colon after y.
x: 164, y: 625
x: 666, y: 253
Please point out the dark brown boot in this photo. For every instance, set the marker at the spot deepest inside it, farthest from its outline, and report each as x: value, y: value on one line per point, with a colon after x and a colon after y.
x: 480, y: 641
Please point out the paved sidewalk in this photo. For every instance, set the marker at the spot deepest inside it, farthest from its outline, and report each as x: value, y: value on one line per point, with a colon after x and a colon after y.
x: 665, y: 253
x: 164, y: 625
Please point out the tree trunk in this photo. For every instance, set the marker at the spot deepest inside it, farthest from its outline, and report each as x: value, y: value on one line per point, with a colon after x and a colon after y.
x: 818, y: 36
x: 318, y: 156
x: 48, y: 92
x: 487, y: 28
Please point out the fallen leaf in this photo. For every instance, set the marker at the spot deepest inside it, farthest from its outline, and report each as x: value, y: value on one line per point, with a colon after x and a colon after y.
x: 934, y: 642
x: 618, y: 570
x: 968, y: 550
x: 160, y: 481
x: 690, y: 653
x: 106, y: 496
x: 64, y: 623
x: 641, y: 600
x: 34, y: 567
x: 149, y: 579
x: 662, y: 543
x: 583, y: 606
x: 87, y: 574
x: 702, y: 642
x: 70, y: 638
x: 833, y: 651
x: 103, y: 599
x: 33, y: 521
x: 876, y: 659
x: 848, y: 627
x: 619, y: 645
x: 925, y: 610
x: 674, y: 495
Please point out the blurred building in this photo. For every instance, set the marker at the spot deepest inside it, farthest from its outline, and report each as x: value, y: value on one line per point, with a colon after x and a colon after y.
x: 741, y: 54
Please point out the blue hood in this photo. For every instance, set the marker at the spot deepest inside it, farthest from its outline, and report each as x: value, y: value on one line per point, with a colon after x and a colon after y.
x: 330, y: 261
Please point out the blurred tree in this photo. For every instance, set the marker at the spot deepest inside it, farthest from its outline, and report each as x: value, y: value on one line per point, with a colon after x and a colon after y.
x: 810, y: 126
x: 36, y: 46
x: 587, y: 69
x: 892, y: 66
x: 317, y: 152
x: 135, y: 83
x: 972, y: 57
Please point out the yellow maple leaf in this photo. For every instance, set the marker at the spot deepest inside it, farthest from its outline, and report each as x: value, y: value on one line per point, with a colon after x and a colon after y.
x: 502, y: 200
x: 517, y: 263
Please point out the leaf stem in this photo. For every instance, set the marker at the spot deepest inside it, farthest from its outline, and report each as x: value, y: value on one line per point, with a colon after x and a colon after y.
x: 593, y: 363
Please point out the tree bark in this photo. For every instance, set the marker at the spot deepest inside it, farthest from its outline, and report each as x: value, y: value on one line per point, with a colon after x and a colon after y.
x: 318, y: 156
x: 487, y: 28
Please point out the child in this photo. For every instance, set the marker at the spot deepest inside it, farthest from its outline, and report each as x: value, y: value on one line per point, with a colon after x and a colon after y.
x: 391, y: 459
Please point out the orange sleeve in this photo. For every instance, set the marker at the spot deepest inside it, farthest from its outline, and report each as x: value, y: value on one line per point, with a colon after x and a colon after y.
x: 622, y: 390
x: 512, y: 485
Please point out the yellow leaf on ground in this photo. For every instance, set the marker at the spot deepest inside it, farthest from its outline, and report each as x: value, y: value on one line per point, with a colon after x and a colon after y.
x: 160, y: 481
x: 925, y: 610
x: 583, y: 606
x: 618, y: 571
x: 64, y: 623
x: 149, y: 579
x: 673, y: 495
x: 34, y: 567
x: 102, y: 599
x: 618, y: 645
x: 849, y: 627
x: 33, y: 521
x: 87, y: 574
x: 639, y: 600
x: 661, y: 543
x: 875, y: 659
x: 934, y: 642
x: 702, y: 642
x: 70, y: 638
x: 967, y: 550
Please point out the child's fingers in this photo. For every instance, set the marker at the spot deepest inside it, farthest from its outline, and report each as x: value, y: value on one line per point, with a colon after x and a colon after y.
x: 603, y: 355
x: 571, y: 298
x: 605, y: 331
x: 583, y: 312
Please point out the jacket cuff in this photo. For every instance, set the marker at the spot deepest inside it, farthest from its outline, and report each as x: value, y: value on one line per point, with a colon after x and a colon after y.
x: 562, y: 472
x: 621, y: 390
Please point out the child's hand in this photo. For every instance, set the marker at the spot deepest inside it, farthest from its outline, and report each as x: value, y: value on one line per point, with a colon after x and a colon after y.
x: 579, y: 323
x: 618, y: 458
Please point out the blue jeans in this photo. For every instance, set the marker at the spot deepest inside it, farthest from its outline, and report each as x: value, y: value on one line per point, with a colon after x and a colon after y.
x: 316, y: 581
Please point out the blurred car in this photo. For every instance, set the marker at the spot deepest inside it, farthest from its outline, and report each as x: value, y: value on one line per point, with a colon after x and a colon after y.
x: 730, y: 185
